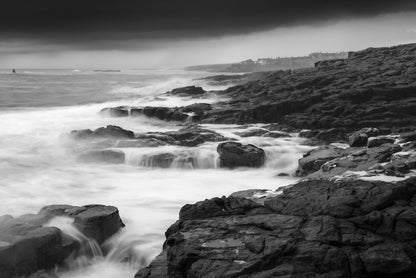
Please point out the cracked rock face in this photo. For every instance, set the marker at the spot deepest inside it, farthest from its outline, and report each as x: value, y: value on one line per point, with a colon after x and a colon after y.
x: 314, y: 229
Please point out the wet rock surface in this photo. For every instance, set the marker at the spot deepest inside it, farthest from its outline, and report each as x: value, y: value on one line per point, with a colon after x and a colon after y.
x: 26, y: 245
x: 189, y: 91
x: 192, y: 112
x: 234, y: 154
x: 111, y: 131
x: 351, y: 228
x: 113, y: 136
x: 360, y: 137
x: 98, y: 222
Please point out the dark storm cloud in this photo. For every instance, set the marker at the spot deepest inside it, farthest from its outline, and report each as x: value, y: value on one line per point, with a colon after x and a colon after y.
x: 83, y: 21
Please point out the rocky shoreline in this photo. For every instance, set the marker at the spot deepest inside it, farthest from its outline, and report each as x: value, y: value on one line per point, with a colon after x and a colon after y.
x: 340, y: 220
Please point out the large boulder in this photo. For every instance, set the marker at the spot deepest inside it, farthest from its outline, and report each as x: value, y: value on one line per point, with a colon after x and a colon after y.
x: 379, y: 140
x: 314, y: 159
x: 193, y: 135
x: 189, y: 91
x: 234, y: 154
x: 360, y: 138
x: 97, y: 222
x: 27, y: 245
x: 315, y: 228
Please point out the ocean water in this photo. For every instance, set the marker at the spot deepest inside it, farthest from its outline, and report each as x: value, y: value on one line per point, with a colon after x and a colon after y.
x: 38, y: 107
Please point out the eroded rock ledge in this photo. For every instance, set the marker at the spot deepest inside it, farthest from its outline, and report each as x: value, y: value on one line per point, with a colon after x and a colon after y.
x: 350, y: 228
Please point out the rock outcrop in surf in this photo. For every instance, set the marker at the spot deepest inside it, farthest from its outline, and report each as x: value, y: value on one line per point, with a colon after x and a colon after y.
x: 29, y: 244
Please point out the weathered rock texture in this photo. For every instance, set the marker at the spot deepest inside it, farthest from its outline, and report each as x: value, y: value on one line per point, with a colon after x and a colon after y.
x: 313, y: 229
x: 26, y: 246
x: 379, y: 156
x: 234, y: 154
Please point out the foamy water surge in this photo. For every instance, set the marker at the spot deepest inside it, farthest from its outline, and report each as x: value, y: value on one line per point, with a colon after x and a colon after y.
x: 38, y: 169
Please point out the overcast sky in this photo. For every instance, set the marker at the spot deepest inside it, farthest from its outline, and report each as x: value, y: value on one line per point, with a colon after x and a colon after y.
x: 174, y: 33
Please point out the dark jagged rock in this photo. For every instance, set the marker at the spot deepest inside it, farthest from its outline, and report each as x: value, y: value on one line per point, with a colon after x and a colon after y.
x: 401, y: 165
x: 329, y: 161
x: 220, y: 207
x: 360, y: 138
x: 96, y: 148
x: 379, y: 140
x: 193, y: 112
x: 189, y: 91
x: 359, y: 160
x: 110, y: 131
x: 26, y: 246
x: 321, y: 228
x: 98, y: 222
x: 189, y: 136
x: 314, y: 159
x: 193, y: 135
x: 102, y: 156
x: 160, y: 136
x: 234, y: 154
x: 113, y: 132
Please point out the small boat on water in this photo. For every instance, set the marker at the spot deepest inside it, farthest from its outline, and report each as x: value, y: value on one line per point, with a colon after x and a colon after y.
x: 13, y: 71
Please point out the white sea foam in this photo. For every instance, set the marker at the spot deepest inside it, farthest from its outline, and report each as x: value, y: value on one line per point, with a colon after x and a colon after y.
x: 37, y: 169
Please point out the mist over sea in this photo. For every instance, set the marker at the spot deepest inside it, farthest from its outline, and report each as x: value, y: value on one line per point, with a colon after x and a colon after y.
x: 38, y: 107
